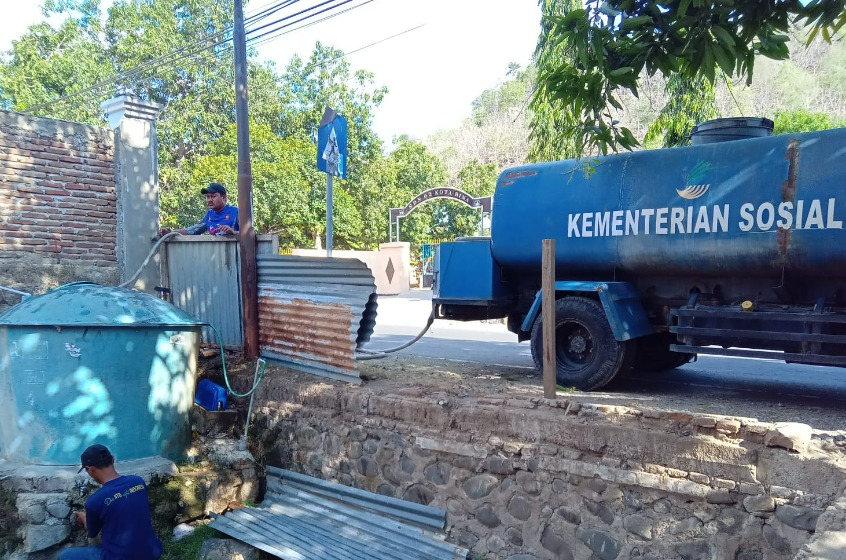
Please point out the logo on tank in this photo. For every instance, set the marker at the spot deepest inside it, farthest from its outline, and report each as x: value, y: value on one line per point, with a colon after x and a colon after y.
x: 694, y: 187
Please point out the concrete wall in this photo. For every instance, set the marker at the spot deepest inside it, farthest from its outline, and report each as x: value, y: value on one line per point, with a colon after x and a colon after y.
x: 137, y: 183
x: 390, y: 265
x: 58, y: 204
x: 529, y: 478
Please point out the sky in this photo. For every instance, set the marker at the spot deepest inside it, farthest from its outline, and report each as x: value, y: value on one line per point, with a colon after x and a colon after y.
x: 432, y: 73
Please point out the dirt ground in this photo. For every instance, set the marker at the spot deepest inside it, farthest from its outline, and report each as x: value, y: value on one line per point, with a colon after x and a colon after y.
x: 432, y: 377
x: 462, y: 379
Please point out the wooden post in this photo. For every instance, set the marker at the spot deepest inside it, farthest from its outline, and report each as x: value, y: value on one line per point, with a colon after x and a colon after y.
x: 548, y: 317
x: 247, y: 236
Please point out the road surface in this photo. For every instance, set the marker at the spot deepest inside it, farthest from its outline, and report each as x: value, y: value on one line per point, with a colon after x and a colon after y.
x: 765, y: 389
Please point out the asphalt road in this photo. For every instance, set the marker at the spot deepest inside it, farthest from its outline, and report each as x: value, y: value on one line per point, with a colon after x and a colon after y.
x: 765, y: 389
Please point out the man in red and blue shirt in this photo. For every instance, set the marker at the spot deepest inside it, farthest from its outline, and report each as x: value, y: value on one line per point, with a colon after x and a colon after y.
x: 221, y: 219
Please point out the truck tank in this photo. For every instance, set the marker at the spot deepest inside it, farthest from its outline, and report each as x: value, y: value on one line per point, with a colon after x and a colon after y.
x: 732, y: 246
x: 764, y: 207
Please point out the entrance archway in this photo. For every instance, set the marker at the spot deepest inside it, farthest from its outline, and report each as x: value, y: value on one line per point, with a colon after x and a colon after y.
x: 483, y: 203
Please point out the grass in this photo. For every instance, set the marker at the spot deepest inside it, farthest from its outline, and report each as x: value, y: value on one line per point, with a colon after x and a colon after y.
x: 189, y: 547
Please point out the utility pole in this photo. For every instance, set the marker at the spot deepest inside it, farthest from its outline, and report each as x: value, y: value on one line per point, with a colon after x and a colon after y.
x: 249, y: 274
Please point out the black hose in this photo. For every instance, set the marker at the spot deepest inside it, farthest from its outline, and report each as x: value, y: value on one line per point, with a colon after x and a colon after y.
x: 378, y: 354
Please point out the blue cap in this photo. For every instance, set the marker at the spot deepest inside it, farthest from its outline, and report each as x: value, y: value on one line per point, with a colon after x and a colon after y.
x: 96, y: 456
x: 214, y: 188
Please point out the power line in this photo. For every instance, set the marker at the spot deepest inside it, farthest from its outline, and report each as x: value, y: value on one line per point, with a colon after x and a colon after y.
x: 256, y: 38
x: 167, y: 60
x: 163, y: 62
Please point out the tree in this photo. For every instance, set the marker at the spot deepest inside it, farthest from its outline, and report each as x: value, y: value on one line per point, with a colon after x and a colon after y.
x: 802, y: 121
x: 689, y: 103
x: 177, y: 53
x: 496, y: 132
x: 49, y: 63
x: 613, y: 41
x: 195, y: 86
x: 306, y: 88
x: 416, y: 169
x: 549, y: 117
x: 289, y: 195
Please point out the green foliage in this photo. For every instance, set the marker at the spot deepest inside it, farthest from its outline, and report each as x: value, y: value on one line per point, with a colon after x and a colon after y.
x: 496, y: 132
x: 306, y: 89
x: 415, y: 169
x: 500, y: 100
x: 188, y: 548
x: 451, y: 219
x: 47, y: 63
x: 611, y: 42
x: 802, y: 121
x: 289, y: 193
x: 196, y: 131
x: 691, y: 101
x: 552, y: 124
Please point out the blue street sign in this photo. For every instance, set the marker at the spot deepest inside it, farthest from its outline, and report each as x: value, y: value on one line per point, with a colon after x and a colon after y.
x: 332, y: 147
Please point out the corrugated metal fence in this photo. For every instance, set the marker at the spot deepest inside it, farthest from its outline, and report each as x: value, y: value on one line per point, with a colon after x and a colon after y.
x: 305, y: 518
x: 203, y: 273
x: 314, y: 312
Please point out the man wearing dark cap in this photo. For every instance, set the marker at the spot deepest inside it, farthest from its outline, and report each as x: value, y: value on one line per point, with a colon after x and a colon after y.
x: 221, y: 219
x: 120, y: 509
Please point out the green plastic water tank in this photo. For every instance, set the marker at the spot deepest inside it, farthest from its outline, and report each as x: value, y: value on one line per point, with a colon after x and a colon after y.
x: 86, y: 364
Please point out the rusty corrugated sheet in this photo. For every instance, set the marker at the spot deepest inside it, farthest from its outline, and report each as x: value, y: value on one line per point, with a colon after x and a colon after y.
x: 305, y: 518
x: 314, y: 312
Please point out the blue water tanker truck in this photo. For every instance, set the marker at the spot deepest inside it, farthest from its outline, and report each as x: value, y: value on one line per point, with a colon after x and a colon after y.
x: 734, y: 246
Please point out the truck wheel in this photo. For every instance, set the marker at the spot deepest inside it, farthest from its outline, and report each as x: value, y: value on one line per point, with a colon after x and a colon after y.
x: 587, y: 355
x: 654, y: 354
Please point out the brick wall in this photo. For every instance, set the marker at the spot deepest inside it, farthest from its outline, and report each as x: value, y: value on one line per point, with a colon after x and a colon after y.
x: 57, y: 203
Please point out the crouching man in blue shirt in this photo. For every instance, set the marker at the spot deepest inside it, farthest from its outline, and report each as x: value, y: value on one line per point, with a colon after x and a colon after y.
x: 120, y: 509
x: 221, y: 219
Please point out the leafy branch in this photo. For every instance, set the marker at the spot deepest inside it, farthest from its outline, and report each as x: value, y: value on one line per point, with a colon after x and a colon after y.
x: 611, y: 42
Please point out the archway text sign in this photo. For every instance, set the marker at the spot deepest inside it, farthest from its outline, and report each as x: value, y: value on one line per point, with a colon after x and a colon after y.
x: 483, y: 203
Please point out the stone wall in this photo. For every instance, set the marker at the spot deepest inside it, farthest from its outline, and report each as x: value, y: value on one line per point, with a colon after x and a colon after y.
x: 531, y: 478
x: 57, y: 203
x: 37, y: 520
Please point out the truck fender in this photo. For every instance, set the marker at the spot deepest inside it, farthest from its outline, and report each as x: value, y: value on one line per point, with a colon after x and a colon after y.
x: 620, y: 300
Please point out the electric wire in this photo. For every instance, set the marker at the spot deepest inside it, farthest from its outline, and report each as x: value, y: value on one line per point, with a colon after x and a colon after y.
x: 162, y: 60
x: 257, y: 41
x: 167, y: 61
x: 300, y: 13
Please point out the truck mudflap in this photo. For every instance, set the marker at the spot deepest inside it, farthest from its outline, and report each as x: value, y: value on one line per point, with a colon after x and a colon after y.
x: 620, y: 300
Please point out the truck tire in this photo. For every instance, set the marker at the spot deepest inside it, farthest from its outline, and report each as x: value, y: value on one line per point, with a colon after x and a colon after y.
x: 654, y: 354
x: 587, y: 355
